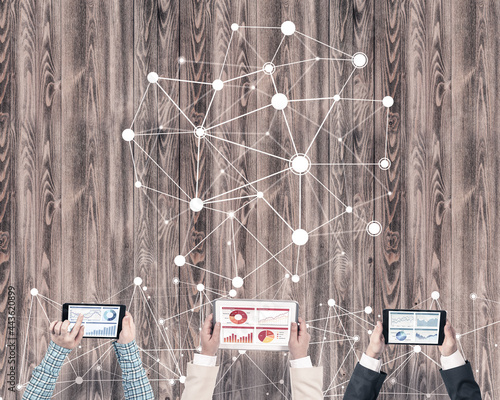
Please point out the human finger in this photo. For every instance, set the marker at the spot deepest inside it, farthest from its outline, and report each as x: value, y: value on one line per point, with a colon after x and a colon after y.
x: 207, y: 325
x: 51, y: 326
x: 76, y: 328
x: 64, y: 328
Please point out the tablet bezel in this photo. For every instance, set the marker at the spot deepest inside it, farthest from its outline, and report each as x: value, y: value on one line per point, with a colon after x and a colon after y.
x: 442, y: 323
x: 250, y: 346
x: 120, y: 316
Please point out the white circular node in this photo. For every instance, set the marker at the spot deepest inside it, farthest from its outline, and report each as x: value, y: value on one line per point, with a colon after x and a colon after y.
x: 384, y: 164
x: 231, y: 215
x: 137, y: 281
x: 237, y: 282
x: 331, y: 302
x: 222, y: 171
x: 307, y: 326
x: 198, y: 349
x: 128, y: 135
x: 282, y: 381
x: 355, y: 338
x: 253, y: 87
x: 428, y: 395
x: 175, y: 281
x: 370, y: 331
x: 138, y: 184
x: 387, y: 101
x: 166, y: 222
x: 267, y: 133
x: 473, y: 296
x: 229, y: 243
x: 152, y: 77
x: 348, y: 209
x: 300, y: 164
x: 336, y: 97
x: 374, y: 228
x: 161, y: 321
x: 242, y: 351
x: 196, y: 204
x: 235, y: 27
x: 393, y: 381
x: 217, y: 85
x: 180, y: 261
x: 368, y: 310
x: 144, y: 288
x: 200, y: 132
x: 79, y: 380
x: 182, y: 379
x: 234, y: 358
x: 269, y: 68
x: 182, y: 60
x: 232, y: 293
x: 260, y: 195
x: 19, y: 387
x: 435, y: 295
x: 295, y: 278
x: 98, y: 368
x: 200, y: 287
x: 359, y: 60
x: 34, y: 292
x: 287, y: 276
x: 317, y: 58
x: 300, y: 237
x: 279, y: 101
x: 417, y: 349
x: 288, y: 28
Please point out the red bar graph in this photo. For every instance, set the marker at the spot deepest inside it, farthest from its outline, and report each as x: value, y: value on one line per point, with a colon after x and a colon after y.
x: 239, y: 339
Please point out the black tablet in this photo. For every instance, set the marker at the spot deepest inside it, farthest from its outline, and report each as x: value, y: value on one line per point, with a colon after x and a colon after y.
x: 100, y: 320
x: 418, y: 327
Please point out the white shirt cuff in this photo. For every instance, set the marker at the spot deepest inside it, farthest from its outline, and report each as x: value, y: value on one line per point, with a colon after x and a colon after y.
x: 371, y: 363
x: 207, y: 361
x: 304, y: 362
x: 453, y: 361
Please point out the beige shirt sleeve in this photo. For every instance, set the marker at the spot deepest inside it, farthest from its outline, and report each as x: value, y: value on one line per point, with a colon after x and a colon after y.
x: 200, y: 382
x: 307, y: 383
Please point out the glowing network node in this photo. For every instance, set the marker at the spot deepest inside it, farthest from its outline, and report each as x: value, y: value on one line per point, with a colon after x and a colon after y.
x: 300, y: 164
x: 282, y: 381
x: 230, y: 215
x: 182, y: 379
x: 288, y: 28
x: 317, y: 58
x: 152, y: 77
x: 387, y: 101
x: 182, y: 60
x: 161, y: 321
x: 237, y: 282
x: 175, y: 281
x: 144, y: 288
x: 200, y: 132
x: 232, y: 293
x: 253, y: 87
x: 200, y: 287
x: 300, y: 237
x: 348, y: 209
x: 331, y: 302
x: 355, y: 338
x: 295, y: 278
x: 340, y: 139
x: 137, y: 281
x: 336, y: 97
x: 287, y: 276
x: 368, y: 310
x: 78, y: 380
x: 242, y: 351
x: 180, y: 260
x: 359, y: 60
x: 269, y: 68
x: 417, y: 349
x: 19, y: 387
x: 260, y: 195
x: 370, y: 331
x: 393, y: 381
x: 384, y: 164
x: 128, y: 135
x: 435, y: 295
x: 279, y: 101
x: 34, y: 292
x: 217, y: 85
x: 374, y: 228
x: 167, y: 222
x: 473, y: 296
x: 229, y: 243
x: 234, y: 27
x: 196, y: 204
x: 98, y: 368
x: 234, y: 358
x: 138, y: 184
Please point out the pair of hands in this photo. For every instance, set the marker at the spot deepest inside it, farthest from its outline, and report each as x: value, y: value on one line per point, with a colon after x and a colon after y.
x: 69, y: 340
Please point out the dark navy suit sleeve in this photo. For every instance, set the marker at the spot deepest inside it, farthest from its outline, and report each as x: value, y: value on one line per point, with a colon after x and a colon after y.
x: 460, y: 383
x: 364, y: 384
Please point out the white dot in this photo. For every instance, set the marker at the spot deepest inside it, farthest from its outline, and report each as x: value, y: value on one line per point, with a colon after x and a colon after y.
x: 242, y: 351
x: 252, y: 87
x: 161, y: 321
x: 260, y: 195
x: 267, y: 133
x: 279, y: 101
x: 222, y: 171
x: 393, y: 381
x: 79, y: 380
x: 384, y: 163
x: 229, y: 243
x: 217, y: 85
x: 359, y: 60
x: 387, y: 101
x: 389, y: 193
x: 166, y: 222
x: 128, y: 135
x: 473, y: 296
x: 374, y: 228
x: 339, y: 139
x: 331, y: 302
x: 137, y: 281
x: 153, y: 77
x: 295, y: 278
x: 428, y: 395
x: 355, y: 338
x: 417, y: 349
x: 477, y: 370
x: 300, y: 237
x: 435, y: 295
x: 348, y: 209
x: 288, y: 28
x: 269, y: 68
x: 34, y: 292
x: 98, y: 368
x: 138, y: 184
x: 232, y: 293
x: 182, y: 379
x: 231, y: 215
x: 237, y: 282
x: 287, y: 276
x: 234, y: 27
x: 144, y: 288
x: 496, y: 345
x: 370, y: 331
x: 457, y: 336
x: 234, y: 358
x: 180, y: 260
x: 160, y: 127
x: 19, y: 387
x: 182, y: 60
x: 368, y: 310
x: 336, y: 97
x: 200, y: 132
x: 317, y: 58
x: 196, y: 204
x: 175, y: 281
x: 300, y: 164
x: 200, y: 287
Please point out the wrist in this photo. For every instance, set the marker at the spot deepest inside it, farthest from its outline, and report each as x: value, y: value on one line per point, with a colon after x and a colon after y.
x: 208, y: 353
x: 373, y: 354
x: 296, y: 356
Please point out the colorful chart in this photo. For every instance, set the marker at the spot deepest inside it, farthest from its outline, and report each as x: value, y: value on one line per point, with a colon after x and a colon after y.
x: 401, y: 336
x: 109, y: 315
x: 238, y: 317
x: 266, y: 336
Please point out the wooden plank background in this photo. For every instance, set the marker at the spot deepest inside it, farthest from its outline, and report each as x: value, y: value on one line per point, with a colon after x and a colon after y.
x: 72, y: 224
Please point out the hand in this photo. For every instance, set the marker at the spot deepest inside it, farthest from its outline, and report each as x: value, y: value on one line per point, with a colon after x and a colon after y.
x: 210, y: 340
x: 449, y: 345
x: 60, y: 335
x: 127, y: 333
x: 377, y: 342
x: 299, y: 340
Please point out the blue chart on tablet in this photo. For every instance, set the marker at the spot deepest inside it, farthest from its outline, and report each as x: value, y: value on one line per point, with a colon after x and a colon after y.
x: 414, y: 327
x: 98, y: 320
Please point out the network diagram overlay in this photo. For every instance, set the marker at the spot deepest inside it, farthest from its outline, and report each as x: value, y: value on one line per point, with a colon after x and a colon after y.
x: 297, y: 169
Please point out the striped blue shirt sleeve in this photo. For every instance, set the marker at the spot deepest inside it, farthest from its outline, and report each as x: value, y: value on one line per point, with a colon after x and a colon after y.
x: 44, y: 377
x: 135, y: 381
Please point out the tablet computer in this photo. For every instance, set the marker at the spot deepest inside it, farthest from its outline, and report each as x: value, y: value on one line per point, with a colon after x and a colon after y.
x: 255, y: 324
x: 418, y: 327
x: 100, y: 320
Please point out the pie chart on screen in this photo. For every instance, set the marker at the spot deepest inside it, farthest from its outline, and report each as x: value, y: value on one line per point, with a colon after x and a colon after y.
x: 238, y: 317
x: 266, y: 336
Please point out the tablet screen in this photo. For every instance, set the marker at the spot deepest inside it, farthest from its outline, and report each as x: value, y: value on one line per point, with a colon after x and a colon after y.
x: 255, y: 324
x: 99, y: 321
x: 415, y: 327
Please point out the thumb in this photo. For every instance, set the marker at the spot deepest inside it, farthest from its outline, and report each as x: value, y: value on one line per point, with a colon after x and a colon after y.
x: 216, y: 332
